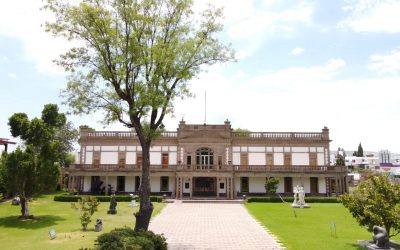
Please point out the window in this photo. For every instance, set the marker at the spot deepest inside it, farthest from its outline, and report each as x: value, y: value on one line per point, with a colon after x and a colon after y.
x: 314, y: 185
x: 164, y: 160
x: 288, y: 159
x: 187, y: 185
x: 288, y: 185
x: 188, y: 161
x: 244, y: 159
x: 270, y: 159
x: 221, y: 185
x: 204, y: 158
x: 120, y: 183
x: 96, y: 158
x: 219, y: 161
x: 121, y: 159
x: 139, y: 160
x: 244, y: 184
x: 313, y: 159
x: 164, y: 183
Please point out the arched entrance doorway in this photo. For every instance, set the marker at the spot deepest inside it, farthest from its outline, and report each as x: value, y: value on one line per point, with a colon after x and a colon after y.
x: 205, y: 186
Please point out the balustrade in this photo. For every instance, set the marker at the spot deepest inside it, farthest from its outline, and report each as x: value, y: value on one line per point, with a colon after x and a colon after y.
x: 208, y: 168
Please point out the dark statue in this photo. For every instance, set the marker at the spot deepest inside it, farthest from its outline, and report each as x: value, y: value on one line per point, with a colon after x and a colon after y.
x: 380, y: 238
x: 113, y: 205
x: 99, y: 225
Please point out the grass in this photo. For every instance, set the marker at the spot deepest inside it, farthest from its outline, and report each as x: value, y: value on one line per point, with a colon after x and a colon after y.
x: 34, y: 234
x: 312, y: 228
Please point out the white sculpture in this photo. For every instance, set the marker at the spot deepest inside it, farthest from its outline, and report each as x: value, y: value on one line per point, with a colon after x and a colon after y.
x: 133, y: 201
x: 296, y: 194
x: 299, y: 195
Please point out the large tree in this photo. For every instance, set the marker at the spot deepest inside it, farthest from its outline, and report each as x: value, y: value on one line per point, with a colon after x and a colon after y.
x: 35, y: 169
x: 376, y: 201
x: 134, y: 58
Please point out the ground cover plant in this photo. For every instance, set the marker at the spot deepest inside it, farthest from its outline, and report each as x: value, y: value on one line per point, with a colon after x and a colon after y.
x: 34, y: 234
x: 312, y: 228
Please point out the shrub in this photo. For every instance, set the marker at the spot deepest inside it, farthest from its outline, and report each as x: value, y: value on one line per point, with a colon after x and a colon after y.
x: 271, y: 185
x: 290, y: 199
x: 120, y: 198
x: 87, y: 205
x: 127, y: 238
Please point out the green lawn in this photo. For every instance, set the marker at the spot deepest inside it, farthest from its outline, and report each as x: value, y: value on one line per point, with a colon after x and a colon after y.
x: 312, y: 228
x: 34, y: 234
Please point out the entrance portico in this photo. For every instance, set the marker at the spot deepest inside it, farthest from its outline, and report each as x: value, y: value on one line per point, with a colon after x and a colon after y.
x: 205, y: 186
x: 211, y: 186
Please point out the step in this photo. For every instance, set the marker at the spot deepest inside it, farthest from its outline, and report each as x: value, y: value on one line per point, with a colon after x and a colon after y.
x: 219, y: 201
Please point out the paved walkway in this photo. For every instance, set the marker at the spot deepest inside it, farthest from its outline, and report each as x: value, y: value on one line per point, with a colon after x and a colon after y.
x: 211, y: 226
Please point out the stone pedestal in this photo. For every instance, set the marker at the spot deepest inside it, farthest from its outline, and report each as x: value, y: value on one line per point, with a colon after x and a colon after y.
x: 112, y: 211
x: 371, y: 246
x: 300, y: 206
x: 98, y: 228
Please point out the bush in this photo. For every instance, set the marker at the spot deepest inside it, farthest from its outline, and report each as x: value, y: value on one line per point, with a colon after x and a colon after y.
x: 127, y: 238
x: 86, y: 206
x: 290, y: 199
x: 119, y: 198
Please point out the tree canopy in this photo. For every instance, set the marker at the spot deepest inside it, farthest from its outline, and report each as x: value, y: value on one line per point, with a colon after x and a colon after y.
x: 360, y: 151
x: 134, y: 58
x: 376, y: 201
x: 35, y: 169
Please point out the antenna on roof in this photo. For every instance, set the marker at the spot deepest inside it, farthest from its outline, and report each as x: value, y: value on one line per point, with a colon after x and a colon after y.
x: 205, y: 107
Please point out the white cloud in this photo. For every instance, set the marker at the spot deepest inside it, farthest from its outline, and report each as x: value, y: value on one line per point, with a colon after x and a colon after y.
x: 372, y: 16
x: 5, y: 58
x: 299, y: 99
x: 297, y: 51
x: 386, y: 63
x: 12, y: 75
x: 249, y: 24
x: 23, y: 20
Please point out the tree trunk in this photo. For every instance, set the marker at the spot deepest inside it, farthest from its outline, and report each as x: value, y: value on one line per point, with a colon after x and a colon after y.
x: 146, y: 207
x: 24, y: 208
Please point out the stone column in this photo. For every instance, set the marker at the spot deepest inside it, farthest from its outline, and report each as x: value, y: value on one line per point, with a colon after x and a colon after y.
x: 106, y: 184
x: 337, y: 185
x: 73, y: 183
x: 231, y: 184
x: 191, y: 187
x: 228, y: 184
x: 181, y: 185
x: 217, y: 187
x: 233, y: 188
x: 69, y: 183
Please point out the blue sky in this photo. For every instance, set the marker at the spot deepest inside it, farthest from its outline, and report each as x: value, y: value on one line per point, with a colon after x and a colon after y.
x: 302, y: 65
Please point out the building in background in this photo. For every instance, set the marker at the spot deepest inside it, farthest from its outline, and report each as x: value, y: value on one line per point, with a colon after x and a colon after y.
x: 202, y: 160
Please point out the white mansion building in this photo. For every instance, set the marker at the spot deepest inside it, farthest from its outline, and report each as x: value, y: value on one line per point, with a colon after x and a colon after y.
x: 207, y: 160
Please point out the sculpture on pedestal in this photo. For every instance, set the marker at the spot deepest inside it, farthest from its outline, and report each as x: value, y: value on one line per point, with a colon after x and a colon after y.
x: 299, y: 196
x: 113, y: 205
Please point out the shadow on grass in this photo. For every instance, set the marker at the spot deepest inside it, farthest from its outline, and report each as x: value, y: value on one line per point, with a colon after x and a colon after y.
x: 355, y: 246
x: 36, y: 223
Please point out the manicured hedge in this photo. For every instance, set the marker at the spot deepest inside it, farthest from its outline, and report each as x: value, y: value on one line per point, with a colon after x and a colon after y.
x: 290, y: 199
x: 119, y: 198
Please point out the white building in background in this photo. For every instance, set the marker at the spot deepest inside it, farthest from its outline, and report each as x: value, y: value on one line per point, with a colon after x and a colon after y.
x: 201, y: 160
x: 365, y: 162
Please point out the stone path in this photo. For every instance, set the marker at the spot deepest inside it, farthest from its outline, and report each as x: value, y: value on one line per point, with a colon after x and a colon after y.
x: 211, y: 226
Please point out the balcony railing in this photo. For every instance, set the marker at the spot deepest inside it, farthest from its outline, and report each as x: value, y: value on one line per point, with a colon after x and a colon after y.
x: 288, y: 169
x: 174, y: 134
x: 123, y: 134
x: 280, y: 135
x: 212, y: 168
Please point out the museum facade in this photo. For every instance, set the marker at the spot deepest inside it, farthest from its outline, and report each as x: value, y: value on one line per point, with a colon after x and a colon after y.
x: 203, y: 160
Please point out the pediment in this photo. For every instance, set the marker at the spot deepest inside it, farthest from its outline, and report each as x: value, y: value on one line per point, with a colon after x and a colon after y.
x: 204, y: 134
